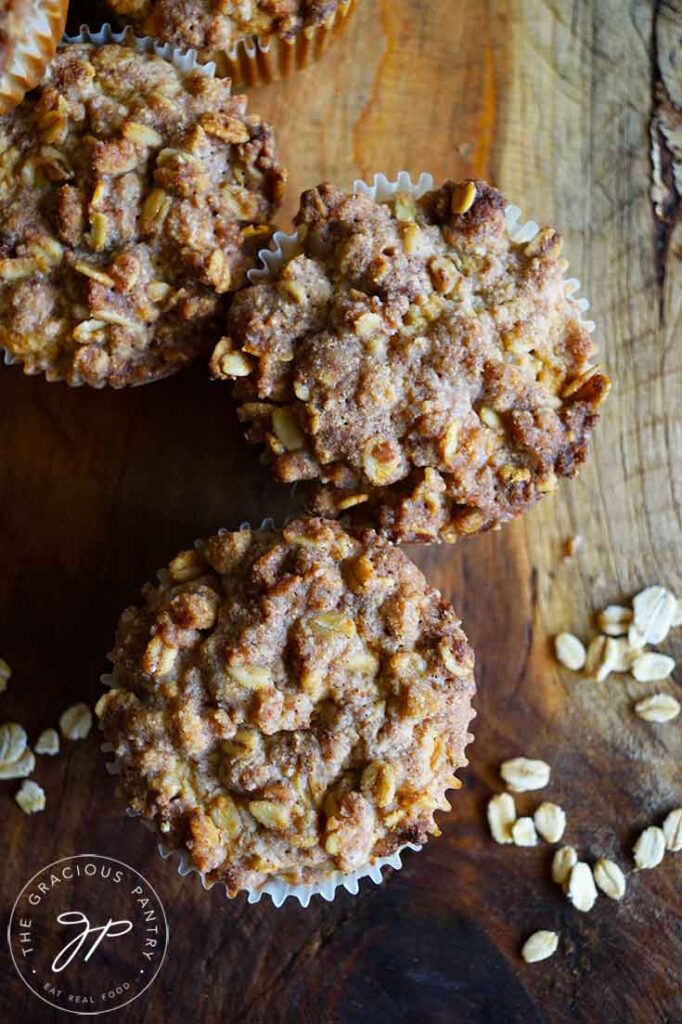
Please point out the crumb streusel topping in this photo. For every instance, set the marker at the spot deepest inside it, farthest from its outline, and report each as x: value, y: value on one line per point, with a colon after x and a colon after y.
x: 420, y: 367
x: 132, y: 200
x: 210, y: 27
x: 289, y: 703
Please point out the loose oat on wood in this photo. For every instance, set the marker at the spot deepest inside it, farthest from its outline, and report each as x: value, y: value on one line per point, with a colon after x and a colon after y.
x: 581, y: 890
x: 655, y: 610
x: 562, y: 863
x: 570, y: 651
x: 609, y: 878
x: 76, y: 722
x: 658, y: 708
x: 523, y: 774
x: 649, y: 849
x: 539, y: 946
x: 30, y: 797
x: 501, y: 817
x: 550, y: 821
x: 672, y: 830
x: 47, y: 742
x: 523, y: 832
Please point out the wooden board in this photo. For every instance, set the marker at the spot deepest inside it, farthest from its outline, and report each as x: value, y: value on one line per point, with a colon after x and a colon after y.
x: 554, y: 103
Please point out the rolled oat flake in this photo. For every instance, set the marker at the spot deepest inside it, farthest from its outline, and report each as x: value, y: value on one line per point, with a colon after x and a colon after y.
x: 539, y: 946
x: 649, y: 849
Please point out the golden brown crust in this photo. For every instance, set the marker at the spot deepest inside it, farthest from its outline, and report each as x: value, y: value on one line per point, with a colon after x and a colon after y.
x: 421, y: 369
x: 289, y: 703
x: 132, y: 200
x: 211, y: 28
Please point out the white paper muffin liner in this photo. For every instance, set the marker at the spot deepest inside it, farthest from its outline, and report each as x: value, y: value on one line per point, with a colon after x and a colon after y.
x: 258, y: 60
x: 284, y: 246
x: 277, y: 889
x: 185, y: 61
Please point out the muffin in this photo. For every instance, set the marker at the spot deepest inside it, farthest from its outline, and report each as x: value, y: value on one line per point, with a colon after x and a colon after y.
x: 252, y: 42
x: 421, y: 369
x: 289, y: 704
x: 133, y: 197
x: 29, y: 33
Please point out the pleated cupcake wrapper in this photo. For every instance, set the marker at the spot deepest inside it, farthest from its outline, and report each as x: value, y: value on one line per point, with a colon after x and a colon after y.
x: 277, y: 889
x: 256, y: 60
x: 42, y: 28
x: 185, y: 61
x: 253, y: 60
x: 285, y: 246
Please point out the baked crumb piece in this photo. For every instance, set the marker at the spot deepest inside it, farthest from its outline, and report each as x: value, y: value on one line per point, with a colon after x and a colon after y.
x: 132, y: 200
x: 210, y: 27
x: 418, y: 368
x: 289, y: 703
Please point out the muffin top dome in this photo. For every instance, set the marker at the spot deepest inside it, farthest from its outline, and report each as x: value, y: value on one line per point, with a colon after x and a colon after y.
x: 132, y: 199
x: 424, y: 371
x: 289, y: 703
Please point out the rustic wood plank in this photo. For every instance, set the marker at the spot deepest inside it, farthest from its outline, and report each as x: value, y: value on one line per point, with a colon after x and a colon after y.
x: 554, y: 103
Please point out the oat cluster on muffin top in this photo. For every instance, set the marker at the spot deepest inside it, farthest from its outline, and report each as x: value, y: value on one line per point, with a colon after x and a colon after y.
x: 414, y: 363
x: 289, y: 703
x: 211, y: 27
x: 132, y: 199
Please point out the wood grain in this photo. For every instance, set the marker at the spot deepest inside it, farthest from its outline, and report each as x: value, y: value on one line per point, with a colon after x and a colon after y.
x: 573, y: 110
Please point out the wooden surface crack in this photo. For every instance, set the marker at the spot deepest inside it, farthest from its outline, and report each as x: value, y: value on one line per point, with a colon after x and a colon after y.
x: 665, y: 130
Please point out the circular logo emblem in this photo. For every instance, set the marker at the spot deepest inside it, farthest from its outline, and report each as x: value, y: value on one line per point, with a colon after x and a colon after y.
x: 88, y: 934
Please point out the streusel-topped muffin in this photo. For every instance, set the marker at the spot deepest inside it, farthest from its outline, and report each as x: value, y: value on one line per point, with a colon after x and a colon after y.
x: 424, y: 370
x: 289, y: 703
x: 210, y: 27
x: 132, y: 199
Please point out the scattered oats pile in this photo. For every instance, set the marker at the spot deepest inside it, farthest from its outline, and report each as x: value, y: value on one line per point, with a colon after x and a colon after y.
x: 625, y: 632
x: 580, y: 881
x: 17, y: 760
